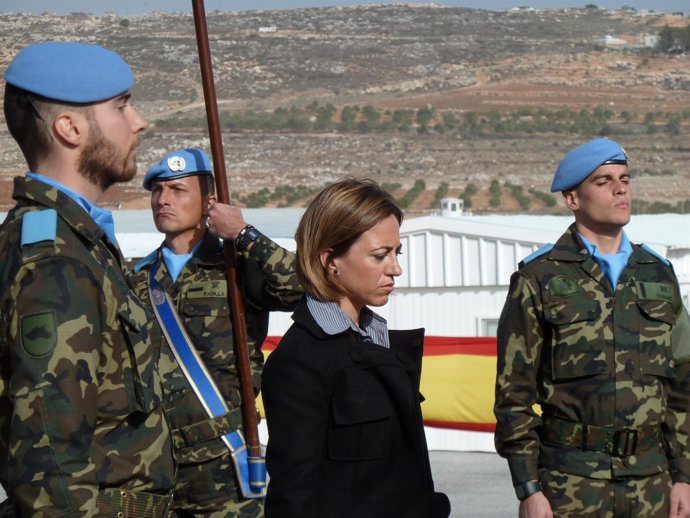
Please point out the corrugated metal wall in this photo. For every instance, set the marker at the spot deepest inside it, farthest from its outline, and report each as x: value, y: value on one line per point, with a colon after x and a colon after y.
x: 456, y: 275
x: 453, y: 284
x: 441, y: 259
x: 446, y: 312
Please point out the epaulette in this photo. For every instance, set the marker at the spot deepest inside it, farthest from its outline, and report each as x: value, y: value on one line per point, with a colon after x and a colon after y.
x: 656, y: 254
x: 146, y: 261
x: 39, y: 225
x: 538, y: 253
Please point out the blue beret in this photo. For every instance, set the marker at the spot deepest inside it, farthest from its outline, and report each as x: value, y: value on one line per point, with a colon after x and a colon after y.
x: 70, y: 72
x: 178, y: 164
x: 579, y: 163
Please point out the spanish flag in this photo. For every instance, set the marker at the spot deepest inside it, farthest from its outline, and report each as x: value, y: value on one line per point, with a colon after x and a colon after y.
x: 458, y: 376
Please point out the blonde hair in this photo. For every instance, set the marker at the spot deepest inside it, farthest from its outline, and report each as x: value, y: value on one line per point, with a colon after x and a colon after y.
x: 334, y: 220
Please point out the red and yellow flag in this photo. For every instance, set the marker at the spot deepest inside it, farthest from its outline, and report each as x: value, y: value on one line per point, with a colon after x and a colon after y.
x: 458, y: 376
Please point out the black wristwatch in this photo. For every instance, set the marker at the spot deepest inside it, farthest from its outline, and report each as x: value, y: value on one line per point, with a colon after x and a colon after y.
x: 246, y: 236
x: 527, y: 489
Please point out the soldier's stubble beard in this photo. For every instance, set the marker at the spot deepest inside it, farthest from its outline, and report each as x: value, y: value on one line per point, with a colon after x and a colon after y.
x: 103, y: 163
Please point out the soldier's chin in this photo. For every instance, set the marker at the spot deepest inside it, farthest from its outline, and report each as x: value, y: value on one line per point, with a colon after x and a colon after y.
x: 161, y: 226
x: 127, y: 174
x: 112, y: 177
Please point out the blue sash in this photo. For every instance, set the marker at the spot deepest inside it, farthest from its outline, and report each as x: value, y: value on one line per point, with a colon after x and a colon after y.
x: 250, y: 471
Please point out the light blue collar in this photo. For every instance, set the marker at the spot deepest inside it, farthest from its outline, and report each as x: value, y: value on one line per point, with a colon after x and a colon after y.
x: 175, y: 262
x: 611, y: 264
x: 332, y: 321
x: 102, y: 217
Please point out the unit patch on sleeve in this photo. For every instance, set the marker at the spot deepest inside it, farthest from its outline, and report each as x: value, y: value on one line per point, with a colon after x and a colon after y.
x: 39, y: 333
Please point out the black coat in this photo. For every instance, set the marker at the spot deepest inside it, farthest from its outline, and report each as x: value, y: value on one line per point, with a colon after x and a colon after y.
x: 346, y: 437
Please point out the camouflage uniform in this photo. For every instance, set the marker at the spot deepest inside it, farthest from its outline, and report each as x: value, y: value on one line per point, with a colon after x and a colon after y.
x: 205, y: 484
x: 601, y: 366
x: 82, y: 431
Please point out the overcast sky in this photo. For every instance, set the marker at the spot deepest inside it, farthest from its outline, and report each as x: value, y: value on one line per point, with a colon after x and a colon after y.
x: 134, y: 7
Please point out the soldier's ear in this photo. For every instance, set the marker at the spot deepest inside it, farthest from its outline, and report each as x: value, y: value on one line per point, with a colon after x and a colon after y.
x: 209, y: 201
x: 70, y: 127
x: 571, y: 199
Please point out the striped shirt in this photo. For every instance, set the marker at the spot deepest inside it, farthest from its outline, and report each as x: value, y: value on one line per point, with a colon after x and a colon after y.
x: 332, y: 321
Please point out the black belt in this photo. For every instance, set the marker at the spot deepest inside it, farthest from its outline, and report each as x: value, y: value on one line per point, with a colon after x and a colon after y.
x: 619, y: 442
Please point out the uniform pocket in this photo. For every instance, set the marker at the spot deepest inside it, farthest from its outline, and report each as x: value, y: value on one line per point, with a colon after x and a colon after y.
x: 206, y: 299
x: 577, y: 342
x: 656, y: 322
x: 208, y: 307
x: 360, y: 426
x: 43, y: 451
x: 138, y: 363
x: 207, y: 320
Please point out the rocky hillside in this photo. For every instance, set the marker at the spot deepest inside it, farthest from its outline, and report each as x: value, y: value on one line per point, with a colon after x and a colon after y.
x: 483, y: 95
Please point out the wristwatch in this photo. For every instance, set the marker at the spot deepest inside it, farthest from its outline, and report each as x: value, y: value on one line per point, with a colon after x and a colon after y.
x: 527, y: 489
x: 246, y: 236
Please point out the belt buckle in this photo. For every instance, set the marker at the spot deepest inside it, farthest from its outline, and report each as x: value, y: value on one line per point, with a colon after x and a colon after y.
x: 624, y: 443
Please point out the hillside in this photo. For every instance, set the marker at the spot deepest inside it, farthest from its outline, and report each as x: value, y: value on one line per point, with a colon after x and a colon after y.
x: 506, y: 93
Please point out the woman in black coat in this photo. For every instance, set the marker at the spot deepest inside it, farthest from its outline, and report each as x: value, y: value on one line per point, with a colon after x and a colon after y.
x: 341, y: 393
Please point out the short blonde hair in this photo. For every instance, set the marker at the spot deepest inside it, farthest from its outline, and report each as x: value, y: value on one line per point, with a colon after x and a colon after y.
x: 334, y: 220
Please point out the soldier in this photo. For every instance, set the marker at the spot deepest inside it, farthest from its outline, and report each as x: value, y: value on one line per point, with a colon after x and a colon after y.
x: 190, y: 267
x: 82, y: 430
x: 591, y: 333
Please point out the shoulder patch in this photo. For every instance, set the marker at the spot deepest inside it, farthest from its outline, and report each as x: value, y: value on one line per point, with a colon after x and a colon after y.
x: 538, y: 253
x: 146, y: 261
x: 39, y: 225
x: 39, y: 333
x: 656, y: 254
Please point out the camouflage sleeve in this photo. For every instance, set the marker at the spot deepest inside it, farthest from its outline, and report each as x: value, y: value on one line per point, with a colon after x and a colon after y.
x: 269, y: 277
x: 680, y: 339
x: 520, y: 339
x: 678, y: 401
x: 55, y: 340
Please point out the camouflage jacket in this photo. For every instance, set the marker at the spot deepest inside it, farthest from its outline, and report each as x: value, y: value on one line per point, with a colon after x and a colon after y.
x: 585, y: 354
x: 80, y: 396
x: 268, y: 282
